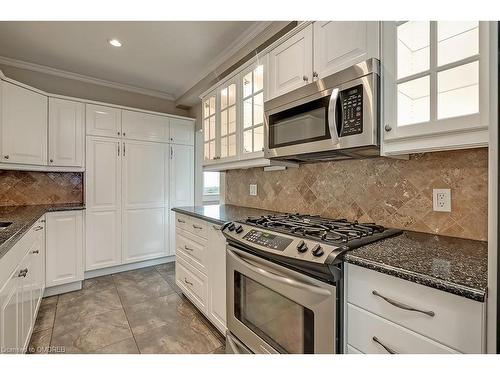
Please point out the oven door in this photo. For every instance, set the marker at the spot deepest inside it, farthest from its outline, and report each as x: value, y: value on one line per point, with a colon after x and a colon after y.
x: 273, y: 309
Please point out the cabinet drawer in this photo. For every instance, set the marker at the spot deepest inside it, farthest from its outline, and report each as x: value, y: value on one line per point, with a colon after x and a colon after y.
x: 192, y: 282
x: 195, y: 252
x: 182, y: 221
x: 457, y: 322
x: 369, y: 333
x: 192, y: 225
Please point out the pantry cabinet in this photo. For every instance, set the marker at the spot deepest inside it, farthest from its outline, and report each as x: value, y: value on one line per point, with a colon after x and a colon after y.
x: 64, y: 247
x: 66, y: 133
x: 145, y: 126
x: 23, y: 125
x: 181, y: 131
x: 103, y: 121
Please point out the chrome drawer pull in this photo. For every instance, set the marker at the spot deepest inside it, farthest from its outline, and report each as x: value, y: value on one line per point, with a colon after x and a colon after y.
x: 180, y: 221
x: 389, y: 350
x: 402, y: 305
x: 38, y: 228
x: 35, y: 252
x: 188, y: 282
x: 23, y: 273
x: 197, y: 227
x: 188, y: 248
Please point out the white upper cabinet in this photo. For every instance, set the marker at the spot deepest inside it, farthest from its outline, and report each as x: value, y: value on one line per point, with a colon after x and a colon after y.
x: 145, y: 126
x: 209, y: 133
x: 340, y: 44
x: 103, y: 121
x: 252, y: 93
x: 291, y: 63
x: 227, y: 132
x: 435, y: 85
x: 181, y: 131
x: 23, y: 125
x: 66, y: 133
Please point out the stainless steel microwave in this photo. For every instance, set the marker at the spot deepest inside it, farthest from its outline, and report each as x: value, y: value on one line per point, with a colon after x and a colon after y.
x: 333, y: 118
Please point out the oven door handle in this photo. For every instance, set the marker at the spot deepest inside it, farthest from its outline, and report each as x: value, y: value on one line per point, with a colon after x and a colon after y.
x: 332, y: 122
x: 238, y: 256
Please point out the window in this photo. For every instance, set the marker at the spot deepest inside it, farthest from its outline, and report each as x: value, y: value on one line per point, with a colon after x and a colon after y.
x: 211, y: 185
x: 437, y: 70
x: 253, y: 110
x: 209, y: 128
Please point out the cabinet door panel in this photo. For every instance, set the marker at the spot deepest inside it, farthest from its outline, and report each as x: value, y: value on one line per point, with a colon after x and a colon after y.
x: 103, y: 121
x: 24, y: 125
x: 340, y: 44
x: 26, y: 301
x: 103, y: 239
x: 290, y: 62
x: 103, y: 182
x: 181, y: 131
x: 143, y: 234
x: 64, y: 247
x: 10, y: 315
x: 66, y: 133
x: 145, y: 126
x: 217, y: 278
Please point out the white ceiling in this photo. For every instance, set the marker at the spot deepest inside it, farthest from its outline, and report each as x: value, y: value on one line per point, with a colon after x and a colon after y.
x: 168, y: 57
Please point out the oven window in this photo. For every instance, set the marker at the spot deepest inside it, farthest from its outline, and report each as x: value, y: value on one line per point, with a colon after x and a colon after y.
x: 302, y: 124
x: 285, y: 325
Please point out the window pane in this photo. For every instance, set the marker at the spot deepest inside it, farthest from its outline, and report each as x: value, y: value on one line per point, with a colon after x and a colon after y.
x: 458, y: 91
x: 223, y: 147
x: 223, y: 122
x: 206, y: 130
x: 212, y: 149
x: 232, y: 145
x: 232, y: 94
x: 258, y: 138
x: 206, y: 153
x: 206, y: 108
x: 457, y: 40
x: 247, y: 113
x: 211, y: 183
x: 232, y: 120
x: 413, y: 101
x: 413, y: 48
x: 223, y: 98
x: 247, y: 85
x: 212, y: 127
x: 212, y: 105
x: 258, y: 109
x: 247, y: 141
x: 258, y: 75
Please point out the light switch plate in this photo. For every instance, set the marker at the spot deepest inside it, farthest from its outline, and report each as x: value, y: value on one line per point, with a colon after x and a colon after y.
x: 253, y: 189
x: 441, y: 200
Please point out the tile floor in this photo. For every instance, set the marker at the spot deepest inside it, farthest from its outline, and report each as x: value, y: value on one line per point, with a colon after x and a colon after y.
x: 139, y: 311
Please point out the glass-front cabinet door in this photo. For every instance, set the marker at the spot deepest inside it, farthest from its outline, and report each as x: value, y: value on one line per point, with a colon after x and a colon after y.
x: 252, y: 88
x: 435, y: 77
x: 227, y: 127
x: 209, y: 129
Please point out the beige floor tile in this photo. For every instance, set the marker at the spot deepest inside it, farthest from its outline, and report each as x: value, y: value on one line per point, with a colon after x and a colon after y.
x: 127, y: 346
x: 135, y: 287
x: 89, y: 302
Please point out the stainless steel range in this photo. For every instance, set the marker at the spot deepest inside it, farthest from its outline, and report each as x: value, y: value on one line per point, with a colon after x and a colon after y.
x: 284, y: 281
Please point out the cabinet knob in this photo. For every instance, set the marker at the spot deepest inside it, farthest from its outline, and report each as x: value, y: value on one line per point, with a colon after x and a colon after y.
x: 387, y: 127
x: 315, y: 74
x: 305, y: 78
x: 118, y: 133
x: 35, y: 252
x: 51, y: 160
x: 23, y: 273
x: 6, y: 156
x: 124, y: 134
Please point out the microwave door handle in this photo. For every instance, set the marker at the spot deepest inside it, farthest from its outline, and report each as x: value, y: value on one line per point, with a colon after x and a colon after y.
x: 332, y: 124
x: 283, y: 280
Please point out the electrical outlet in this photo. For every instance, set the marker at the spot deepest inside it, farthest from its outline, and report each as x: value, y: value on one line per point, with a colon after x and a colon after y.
x: 441, y: 200
x: 253, y: 189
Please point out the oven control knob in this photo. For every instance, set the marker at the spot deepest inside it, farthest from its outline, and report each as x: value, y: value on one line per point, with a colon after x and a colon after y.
x: 239, y: 229
x: 231, y: 227
x: 302, y: 247
x: 317, y: 251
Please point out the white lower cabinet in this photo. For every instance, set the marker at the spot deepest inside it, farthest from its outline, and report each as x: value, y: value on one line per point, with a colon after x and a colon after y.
x: 200, y: 267
x: 64, y: 247
x: 22, y: 290
x: 405, y: 317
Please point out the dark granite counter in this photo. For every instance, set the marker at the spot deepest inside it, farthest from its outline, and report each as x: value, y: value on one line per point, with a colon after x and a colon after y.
x: 221, y: 213
x: 451, y: 264
x: 22, y: 218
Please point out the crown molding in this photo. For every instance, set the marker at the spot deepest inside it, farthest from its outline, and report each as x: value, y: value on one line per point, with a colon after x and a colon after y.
x: 83, y: 78
x: 227, y: 53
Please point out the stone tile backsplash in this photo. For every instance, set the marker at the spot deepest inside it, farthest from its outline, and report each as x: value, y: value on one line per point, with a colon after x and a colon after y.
x: 391, y: 192
x: 21, y: 188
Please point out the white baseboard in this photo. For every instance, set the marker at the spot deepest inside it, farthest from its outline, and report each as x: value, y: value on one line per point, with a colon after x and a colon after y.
x: 60, y: 289
x: 128, y: 267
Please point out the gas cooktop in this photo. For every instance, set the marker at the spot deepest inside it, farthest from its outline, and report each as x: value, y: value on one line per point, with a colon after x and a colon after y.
x: 303, y: 238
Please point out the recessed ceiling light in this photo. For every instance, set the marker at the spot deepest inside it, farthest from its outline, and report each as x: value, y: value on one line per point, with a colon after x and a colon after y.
x: 115, y: 43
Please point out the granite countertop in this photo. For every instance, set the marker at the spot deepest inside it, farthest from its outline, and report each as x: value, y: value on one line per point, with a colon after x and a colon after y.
x: 22, y: 218
x: 455, y: 265
x: 221, y: 213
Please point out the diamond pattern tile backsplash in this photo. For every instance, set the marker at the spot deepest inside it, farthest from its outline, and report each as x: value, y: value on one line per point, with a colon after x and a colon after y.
x: 394, y: 193
x: 20, y: 188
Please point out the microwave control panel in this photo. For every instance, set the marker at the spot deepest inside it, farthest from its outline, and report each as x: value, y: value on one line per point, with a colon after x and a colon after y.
x: 352, y: 110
